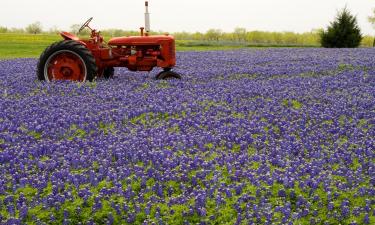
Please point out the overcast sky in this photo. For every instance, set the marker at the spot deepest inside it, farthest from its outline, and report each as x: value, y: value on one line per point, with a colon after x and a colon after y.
x: 185, y: 15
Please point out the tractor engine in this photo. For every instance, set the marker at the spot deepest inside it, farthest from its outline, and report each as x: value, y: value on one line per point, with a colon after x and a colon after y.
x: 142, y: 53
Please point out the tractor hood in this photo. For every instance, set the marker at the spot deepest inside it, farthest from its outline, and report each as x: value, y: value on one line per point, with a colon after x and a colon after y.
x: 140, y: 40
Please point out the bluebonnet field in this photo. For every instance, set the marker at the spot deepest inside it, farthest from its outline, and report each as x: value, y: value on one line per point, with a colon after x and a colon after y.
x: 272, y: 136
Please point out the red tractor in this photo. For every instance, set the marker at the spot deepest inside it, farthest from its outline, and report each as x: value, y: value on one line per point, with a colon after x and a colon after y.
x: 80, y: 59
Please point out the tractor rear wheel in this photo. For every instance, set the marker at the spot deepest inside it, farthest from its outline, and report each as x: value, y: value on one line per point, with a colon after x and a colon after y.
x: 67, y: 60
x: 168, y: 74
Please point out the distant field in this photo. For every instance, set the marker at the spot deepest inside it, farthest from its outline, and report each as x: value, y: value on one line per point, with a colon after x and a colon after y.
x: 24, y: 46
x: 31, y: 46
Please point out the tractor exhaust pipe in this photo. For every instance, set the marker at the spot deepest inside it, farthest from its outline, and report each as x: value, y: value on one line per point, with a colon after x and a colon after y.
x: 147, y: 19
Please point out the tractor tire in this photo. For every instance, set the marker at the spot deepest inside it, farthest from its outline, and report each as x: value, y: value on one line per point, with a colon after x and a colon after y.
x: 167, y: 75
x: 67, y: 60
x: 108, y: 72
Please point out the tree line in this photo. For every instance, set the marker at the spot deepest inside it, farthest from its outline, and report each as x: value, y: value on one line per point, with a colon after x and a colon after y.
x: 343, y: 32
x: 239, y: 35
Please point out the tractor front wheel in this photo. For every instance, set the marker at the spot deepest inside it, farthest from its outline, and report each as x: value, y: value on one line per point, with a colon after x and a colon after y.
x: 168, y: 74
x: 67, y: 60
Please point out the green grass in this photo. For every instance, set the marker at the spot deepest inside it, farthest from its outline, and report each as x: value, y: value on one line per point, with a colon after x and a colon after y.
x: 23, y: 45
x: 31, y: 46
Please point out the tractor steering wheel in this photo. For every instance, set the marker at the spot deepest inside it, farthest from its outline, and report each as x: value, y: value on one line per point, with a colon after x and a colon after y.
x: 85, y: 25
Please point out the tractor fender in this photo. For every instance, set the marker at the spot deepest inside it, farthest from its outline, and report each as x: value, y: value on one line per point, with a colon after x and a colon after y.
x: 70, y: 36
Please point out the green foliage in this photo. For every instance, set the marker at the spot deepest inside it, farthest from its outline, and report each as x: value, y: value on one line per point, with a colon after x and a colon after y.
x: 76, y: 132
x: 36, y: 135
x: 296, y: 104
x: 292, y: 103
x: 27, y: 191
x: 344, y: 32
x: 225, y: 213
x: 106, y: 128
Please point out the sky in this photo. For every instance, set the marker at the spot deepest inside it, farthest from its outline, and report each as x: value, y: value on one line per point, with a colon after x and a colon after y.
x: 185, y: 15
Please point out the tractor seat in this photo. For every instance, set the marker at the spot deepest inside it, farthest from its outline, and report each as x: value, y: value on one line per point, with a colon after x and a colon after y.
x: 69, y: 36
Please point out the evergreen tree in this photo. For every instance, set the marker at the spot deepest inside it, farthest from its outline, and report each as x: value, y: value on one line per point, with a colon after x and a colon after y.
x: 344, y: 32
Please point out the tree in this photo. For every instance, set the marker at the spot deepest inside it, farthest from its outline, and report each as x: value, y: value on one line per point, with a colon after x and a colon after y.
x: 213, y: 34
x: 75, y: 28
x: 54, y: 30
x: 197, y: 36
x: 113, y: 32
x: 371, y: 19
x: 34, y: 28
x: 343, y: 32
x: 16, y: 30
x: 240, y: 33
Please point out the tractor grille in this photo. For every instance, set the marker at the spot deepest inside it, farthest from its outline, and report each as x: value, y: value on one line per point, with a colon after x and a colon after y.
x: 172, y: 50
